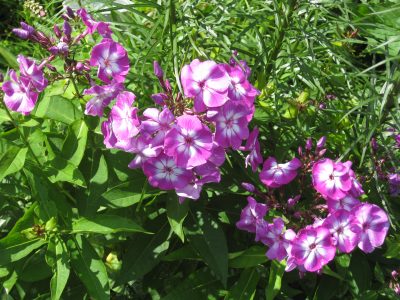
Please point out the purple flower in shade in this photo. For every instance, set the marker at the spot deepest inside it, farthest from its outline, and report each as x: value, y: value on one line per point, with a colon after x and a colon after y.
x: 144, y: 148
x: 240, y: 89
x: 397, y: 140
x: 252, y: 215
x: 206, y: 82
x: 124, y: 117
x: 189, y: 142
x: 101, y: 27
x: 277, y: 240
x: 332, y: 179
x: 275, y: 175
x: 102, y: 96
x: 158, y: 123
x: 31, y: 71
x: 339, y: 223
x: 191, y: 191
x: 254, y: 158
x: 112, y: 60
x: 218, y: 155
x: 231, y: 125
x: 18, y: 94
x: 313, y: 248
x: 371, y: 224
x: 346, y: 203
x: 394, y: 184
x: 164, y: 174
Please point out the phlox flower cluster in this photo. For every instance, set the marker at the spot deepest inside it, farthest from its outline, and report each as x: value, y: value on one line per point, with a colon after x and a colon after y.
x: 181, y: 142
x: 310, y: 233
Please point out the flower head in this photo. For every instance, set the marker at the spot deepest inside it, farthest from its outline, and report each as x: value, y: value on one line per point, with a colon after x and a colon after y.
x: 275, y: 175
x: 102, y: 96
x: 112, y: 61
x: 251, y: 215
x: 30, y: 71
x: 101, y: 27
x: 206, y: 82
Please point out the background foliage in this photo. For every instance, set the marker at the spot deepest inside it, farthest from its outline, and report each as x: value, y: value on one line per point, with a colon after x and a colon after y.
x: 77, y: 223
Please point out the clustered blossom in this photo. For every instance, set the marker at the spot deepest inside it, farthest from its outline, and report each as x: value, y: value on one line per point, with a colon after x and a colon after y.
x: 339, y: 224
x: 181, y: 142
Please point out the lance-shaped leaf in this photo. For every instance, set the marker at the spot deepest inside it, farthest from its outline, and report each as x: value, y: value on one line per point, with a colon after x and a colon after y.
x: 61, y: 269
x: 245, y: 288
x: 75, y: 142
x: 12, y: 161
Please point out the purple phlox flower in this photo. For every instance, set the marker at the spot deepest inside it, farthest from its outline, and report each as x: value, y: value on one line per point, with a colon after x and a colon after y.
x: 144, y: 148
x: 101, y: 27
x: 31, y: 71
x: 313, y: 248
x: 371, y: 224
x: 61, y: 48
x: 124, y: 117
x: 339, y: 223
x: 19, y: 94
x: 206, y: 82
x: 394, y: 184
x: 111, y: 140
x: 158, y: 123
x: 248, y: 187
x: 231, y: 125
x: 356, y: 187
x: 275, y: 175
x: 191, y: 191
x: 240, y: 89
x: 332, y: 179
x: 397, y: 140
x: 251, y: 215
x: 164, y: 174
x: 321, y: 143
x: 346, y: 203
x: 254, y: 158
x: 112, y: 61
x: 293, y: 201
x: 277, y: 239
x: 102, y: 96
x: 189, y: 142
x: 208, y: 172
x: 159, y: 98
x: 218, y: 155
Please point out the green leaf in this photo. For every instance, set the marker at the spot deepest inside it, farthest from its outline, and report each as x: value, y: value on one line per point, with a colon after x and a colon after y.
x: 360, y: 273
x: 35, y: 268
x: 89, y: 268
x: 327, y: 289
x: 199, y: 285
x: 61, y: 270
x: 176, y: 214
x: 12, y: 161
x: 185, y: 252
x: 250, y: 257
x: 275, y: 279
x: 60, y: 169
x: 245, y: 288
x: 105, y: 224
x: 58, y: 108
x: 75, y: 142
x: 208, y: 239
x: 9, y: 57
x: 144, y: 252
x: 126, y: 194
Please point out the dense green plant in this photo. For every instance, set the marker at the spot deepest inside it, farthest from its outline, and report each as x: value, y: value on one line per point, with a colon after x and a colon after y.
x: 77, y: 223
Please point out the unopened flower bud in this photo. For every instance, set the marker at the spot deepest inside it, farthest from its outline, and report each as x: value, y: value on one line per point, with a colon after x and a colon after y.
x: 297, y: 215
x: 79, y: 66
x: 51, y: 67
x: 394, y: 274
x: 57, y: 31
x: 157, y: 70
x: 159, y: 98
x: 1, y: 77
x: 300, y: 151
x: 321, y: 142
x: 322, y: 106
x: 293, y: 201
x: 21, y: 33
x: 168, y: 85
x: 308, y: 144
x: 70, y: 12
x: 321, y: 153
x: 248, y: 187
x: 27, y: 27
x: 374, y: 144
x: 67, y: 28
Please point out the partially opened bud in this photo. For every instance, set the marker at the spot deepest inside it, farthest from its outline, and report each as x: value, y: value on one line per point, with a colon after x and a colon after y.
x: 157, y: 70
x: 308, y: 144
x: 57, y: 31
x: 248, y: 187
x: 321, y: 142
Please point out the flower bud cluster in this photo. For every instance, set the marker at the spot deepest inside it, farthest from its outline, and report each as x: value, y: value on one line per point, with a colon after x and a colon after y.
x: 334, y: 221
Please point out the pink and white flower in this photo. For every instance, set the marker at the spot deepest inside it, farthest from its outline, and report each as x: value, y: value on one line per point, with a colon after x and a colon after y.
x: 30, y: 71
x: 189, y: 142
x: 313, y: 248
x: 346, y: 203
x: 19, y: 94
x: 251, y: 215
x: 102, y: 96
x: 111, y: 59
x: 231, y: 125
x: 275, y: 175
x: 371, y: 224
x: 332, y: 179
x: 144, y: 148
x: 101, y: 27
x: 158, y: 123
x: 163, y: 173
x: 206, y: 82
x: 339, y: 224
